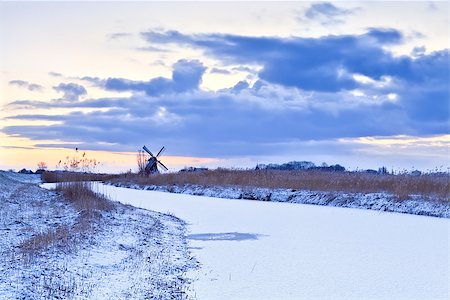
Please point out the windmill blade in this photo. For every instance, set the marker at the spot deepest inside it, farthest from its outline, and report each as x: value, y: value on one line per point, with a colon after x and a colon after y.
x: 162, y: 165
x: 148, y: 151
x: 160, y: 151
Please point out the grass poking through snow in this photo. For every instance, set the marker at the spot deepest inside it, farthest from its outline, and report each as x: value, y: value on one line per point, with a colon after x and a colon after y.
x: 89, y: 206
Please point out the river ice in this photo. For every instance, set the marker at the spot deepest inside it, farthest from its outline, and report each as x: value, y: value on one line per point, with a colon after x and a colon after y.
x: 266, y: 250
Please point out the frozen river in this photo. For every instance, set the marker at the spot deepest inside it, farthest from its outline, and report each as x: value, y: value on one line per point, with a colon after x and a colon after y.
x: 263, y: 250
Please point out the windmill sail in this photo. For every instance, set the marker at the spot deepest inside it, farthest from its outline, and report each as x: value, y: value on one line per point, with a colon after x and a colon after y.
x: 153, y: 162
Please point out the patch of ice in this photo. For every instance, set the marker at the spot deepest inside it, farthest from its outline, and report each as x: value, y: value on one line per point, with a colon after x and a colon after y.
x: 226, y: 236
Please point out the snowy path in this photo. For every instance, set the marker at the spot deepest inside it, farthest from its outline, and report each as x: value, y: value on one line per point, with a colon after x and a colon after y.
x: 292, y: 251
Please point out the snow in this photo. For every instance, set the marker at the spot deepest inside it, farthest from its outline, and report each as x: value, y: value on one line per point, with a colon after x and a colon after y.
x: 375, y: 201
x: 125, y: 253
x: 269, y: 250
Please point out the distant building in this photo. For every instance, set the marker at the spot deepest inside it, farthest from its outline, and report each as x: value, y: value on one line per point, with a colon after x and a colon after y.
x: 416, y: 173
x: 193, y: 169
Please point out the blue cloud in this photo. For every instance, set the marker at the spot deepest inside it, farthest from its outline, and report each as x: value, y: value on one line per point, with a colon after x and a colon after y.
x: 71, y: 91
x: 324, y: 63
x: 330, y: 63
x: 186, y: 76
x: 27, y: 85
x: 326, y: 13
x: 307, y: 89
x: 386, y: 35
x: 238, y: 87
x: 219, y: 71
x: 249, y: 120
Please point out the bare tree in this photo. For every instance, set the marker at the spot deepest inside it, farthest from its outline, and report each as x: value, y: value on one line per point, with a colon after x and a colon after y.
x: 42, y: 165
x: 141, y: 161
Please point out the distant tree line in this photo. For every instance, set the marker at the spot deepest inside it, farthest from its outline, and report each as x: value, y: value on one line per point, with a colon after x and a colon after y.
x: 300, y: 165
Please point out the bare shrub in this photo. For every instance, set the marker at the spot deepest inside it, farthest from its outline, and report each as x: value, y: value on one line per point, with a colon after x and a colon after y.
x: 78, y: 163
x: 42, y: 165
x: 141, y: 161
x: 75, y: 168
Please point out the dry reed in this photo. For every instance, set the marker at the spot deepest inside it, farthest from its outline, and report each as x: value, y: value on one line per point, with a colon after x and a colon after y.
x: 404, y: 185
x: 81, y: 196
x: 89, y: 205
x: 67, y: 176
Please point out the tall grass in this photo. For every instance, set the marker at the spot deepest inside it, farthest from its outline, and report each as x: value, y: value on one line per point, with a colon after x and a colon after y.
x: 428, y: 185
x: 436, y: 186
x: 89, y: 206
x: 56, y: 281
x: 52, y: 176
x: 82, y: 197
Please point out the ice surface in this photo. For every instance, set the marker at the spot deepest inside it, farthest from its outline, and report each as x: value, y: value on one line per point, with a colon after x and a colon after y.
x: 416, y: 204
x: 305, y: 251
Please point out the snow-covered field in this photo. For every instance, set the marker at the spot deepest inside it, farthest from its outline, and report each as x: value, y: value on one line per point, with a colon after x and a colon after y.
x: 268, y: 250
x: 125, y: 253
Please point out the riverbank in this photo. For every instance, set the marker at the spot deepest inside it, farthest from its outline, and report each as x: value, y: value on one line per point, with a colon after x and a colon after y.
x: 373, y: 201
x: 52, y: 248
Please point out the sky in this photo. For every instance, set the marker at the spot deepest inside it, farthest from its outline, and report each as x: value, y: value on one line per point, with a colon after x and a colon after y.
x: 361, y: 84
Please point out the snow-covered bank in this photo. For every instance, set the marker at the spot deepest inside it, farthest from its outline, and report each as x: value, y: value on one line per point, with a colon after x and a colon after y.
x: 268, y: 250
x: 127, y: 253
x: 373, y: 201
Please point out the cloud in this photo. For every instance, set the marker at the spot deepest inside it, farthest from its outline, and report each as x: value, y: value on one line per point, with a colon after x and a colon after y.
x: 186, y: 76
x: 323, y: 64
x: 238, y: 87
x: 326, y: 88
x: 119, y: 35
x: 326, y: 13
x: 219, y: 71
x: 244, y: 120
x: 152, y: 49
x: 333, y: 64
x: 55, y: 74
x: 385, y: 36
x: 431, y: 6
x: 71, y: 91
x: 33, y: 87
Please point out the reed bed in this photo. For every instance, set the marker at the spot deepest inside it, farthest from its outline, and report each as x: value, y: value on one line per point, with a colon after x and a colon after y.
x: 427, y: 185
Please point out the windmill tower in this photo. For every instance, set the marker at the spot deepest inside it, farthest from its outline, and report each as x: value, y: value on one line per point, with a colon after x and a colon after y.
x: 153, y: 162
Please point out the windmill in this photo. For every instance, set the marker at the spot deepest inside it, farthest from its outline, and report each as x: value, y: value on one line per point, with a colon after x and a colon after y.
x: 153, y: 162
